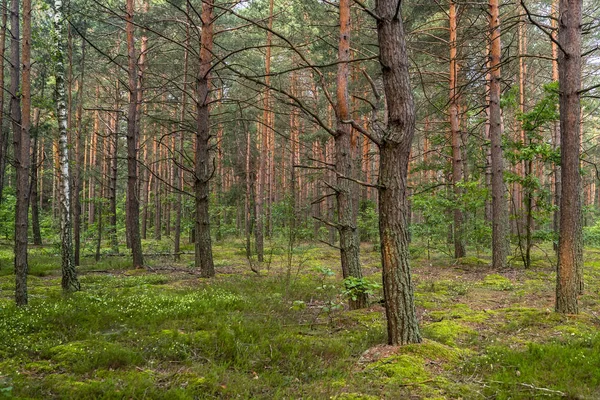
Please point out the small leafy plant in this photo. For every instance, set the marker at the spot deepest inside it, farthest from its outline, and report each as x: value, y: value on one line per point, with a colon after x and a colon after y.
x: 355, y: 287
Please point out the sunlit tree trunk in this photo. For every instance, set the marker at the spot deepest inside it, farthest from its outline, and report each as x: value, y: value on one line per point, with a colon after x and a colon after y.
x: 555, y: 128
x: 402, y: 325
x: 569, y: 281
x: 346, y: 207
x: 457, y: 160
x: 70, y: 282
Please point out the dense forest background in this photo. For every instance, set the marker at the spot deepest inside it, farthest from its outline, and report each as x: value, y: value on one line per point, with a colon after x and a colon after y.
x: 151, y: 131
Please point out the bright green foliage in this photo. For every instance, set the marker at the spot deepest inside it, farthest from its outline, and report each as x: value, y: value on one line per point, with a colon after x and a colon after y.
x: 354, y: 287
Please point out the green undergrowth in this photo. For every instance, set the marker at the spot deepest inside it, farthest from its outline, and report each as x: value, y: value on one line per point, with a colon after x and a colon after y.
x: 165, y: 333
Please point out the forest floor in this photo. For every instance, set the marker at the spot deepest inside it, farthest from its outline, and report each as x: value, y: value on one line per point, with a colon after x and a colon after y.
x: 164, y: 333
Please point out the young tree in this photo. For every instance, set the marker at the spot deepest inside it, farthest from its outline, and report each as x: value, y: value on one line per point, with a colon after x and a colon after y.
x: 394, y: 147
x: 70, y: 282
x: 569, y: 281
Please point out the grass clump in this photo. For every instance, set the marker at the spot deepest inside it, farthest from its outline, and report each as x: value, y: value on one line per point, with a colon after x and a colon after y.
x: 568, y: 367
x: 88, y: 355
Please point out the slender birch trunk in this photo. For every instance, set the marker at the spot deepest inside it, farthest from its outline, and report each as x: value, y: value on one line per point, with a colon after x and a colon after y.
x: 70, y: 282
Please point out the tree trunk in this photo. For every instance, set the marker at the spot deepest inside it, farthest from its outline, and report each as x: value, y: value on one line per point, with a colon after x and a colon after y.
x: 21, y: 143
x: 347, y: 212
x: 133, y: 202
x: 3, y: 137
x: 555, y: 130
x: 203, y: 246
x: 570, y: 258
x: 500, y: 239
x: 457, y: 160
x: 35, y: 209
x: 402, y: 325
x: 70, y: 282
x: 79, y: 162
x: 179, y: 172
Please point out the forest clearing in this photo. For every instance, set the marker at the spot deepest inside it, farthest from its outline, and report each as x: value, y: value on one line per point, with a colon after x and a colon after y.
x: 165, y: 333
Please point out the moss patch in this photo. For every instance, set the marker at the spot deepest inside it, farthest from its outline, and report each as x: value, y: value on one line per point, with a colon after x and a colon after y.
x: 497, y: 282
x: 447, y: 331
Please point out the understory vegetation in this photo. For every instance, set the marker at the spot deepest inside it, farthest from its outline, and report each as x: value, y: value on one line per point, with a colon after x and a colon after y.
x: 163, y: 332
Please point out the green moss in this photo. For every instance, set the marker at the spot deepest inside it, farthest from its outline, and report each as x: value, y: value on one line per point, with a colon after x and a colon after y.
x: 472, y: 261
x: 447, y: 331
x: 41, y: 367
x: 460, y: 311
x: 497, y: 282
x: 402, y: 368
x: 432, y: 350
x: 87, y: 355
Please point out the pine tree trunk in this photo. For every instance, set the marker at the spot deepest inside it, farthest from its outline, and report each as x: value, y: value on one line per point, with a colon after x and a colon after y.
x: 457, y: 160
x: 70, y: 281
x: 569, y: 281
x: 402, y: 325
x: 203, y: 245
x: 500, y: 242
x: 21, y: 143
x: 113, y: 173
x: 346, y: 207
x: 35, y: 209
x: 3, y: 136
x: 79, y: 162
x: 555, y: 130
x: 179, y: 173
x: 133, y: 202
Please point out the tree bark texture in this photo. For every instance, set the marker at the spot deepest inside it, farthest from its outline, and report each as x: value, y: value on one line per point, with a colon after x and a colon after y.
x: 570, y: 257
x: 347, y: 212
x: 133, y: 201
x: 402, y: 325
x: 3, y: 136
x: 500, y: 241
x: 21, y: 143
x: 79, y: 162
x: 457, y: 160
x: 203, y: 169
x: 70, y: 281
